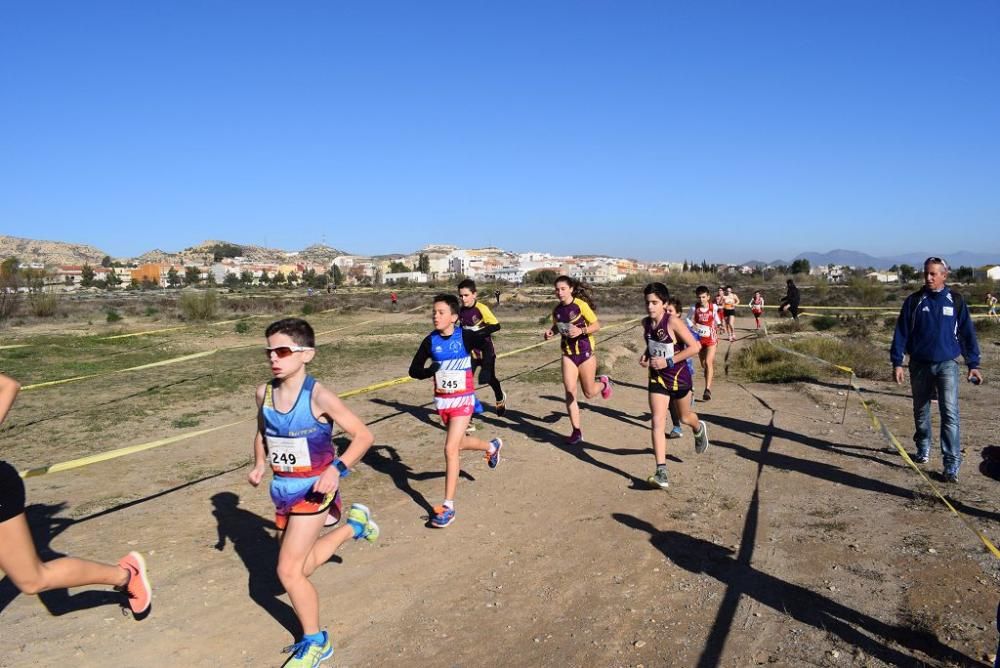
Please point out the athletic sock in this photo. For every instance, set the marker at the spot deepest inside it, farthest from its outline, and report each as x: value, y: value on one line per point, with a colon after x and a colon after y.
x: 315, y: 638
x: 359, y: 528
x: 449, y: 503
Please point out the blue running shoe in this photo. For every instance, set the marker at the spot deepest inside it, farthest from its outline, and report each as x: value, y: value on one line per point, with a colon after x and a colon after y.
x: 305, y: 654
x: 494, y: 459
x: 443, y: 516
x: 359, y: 516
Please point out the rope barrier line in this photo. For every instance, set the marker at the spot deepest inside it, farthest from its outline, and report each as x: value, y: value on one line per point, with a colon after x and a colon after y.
x: 172, y: 360
x: 406, y: 379
x: 171, y: 329
x: 121, y: 452
x: 131, y: 449
x: 882, y: 428
x: 337, y: 329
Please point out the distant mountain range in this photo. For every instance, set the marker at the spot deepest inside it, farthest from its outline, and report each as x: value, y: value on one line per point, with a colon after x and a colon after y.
x: 859, y: 259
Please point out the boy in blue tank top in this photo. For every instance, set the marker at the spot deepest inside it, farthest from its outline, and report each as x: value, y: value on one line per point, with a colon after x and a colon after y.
x: 448, y: 348
x: 295, y: 422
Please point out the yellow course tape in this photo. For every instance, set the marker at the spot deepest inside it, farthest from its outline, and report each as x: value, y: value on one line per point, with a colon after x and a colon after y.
x: 881, y: 427
x: 169, y: 329
x: 128, y: 450
x: 337, y: 329
x: 121, y: 452
x: 15, y: 345
x: 172, y: 360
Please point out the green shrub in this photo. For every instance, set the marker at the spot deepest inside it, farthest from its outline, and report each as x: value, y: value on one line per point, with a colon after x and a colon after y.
x: 151, y: 311
x: 113, y: 315
x: 987, y: 326
x: 243, y: 327
x: 867, y: 292
x: 763, y: 363
x: 43, y: 305
x: 197, y: 306
x: 860, y: 326
x: 308, y: 309
x: 824, y: 322
x: 786, y: 327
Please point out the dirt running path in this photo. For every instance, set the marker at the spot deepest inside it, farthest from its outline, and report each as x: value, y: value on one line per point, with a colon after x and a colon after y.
x: 794, y: 540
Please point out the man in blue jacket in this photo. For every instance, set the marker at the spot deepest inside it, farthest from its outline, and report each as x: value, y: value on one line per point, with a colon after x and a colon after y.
x: 934, y: 328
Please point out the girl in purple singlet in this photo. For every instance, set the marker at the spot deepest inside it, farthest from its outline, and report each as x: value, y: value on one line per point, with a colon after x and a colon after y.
x: 574, y: 319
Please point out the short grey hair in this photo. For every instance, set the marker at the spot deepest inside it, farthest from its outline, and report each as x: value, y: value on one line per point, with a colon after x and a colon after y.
x: 937, y: 260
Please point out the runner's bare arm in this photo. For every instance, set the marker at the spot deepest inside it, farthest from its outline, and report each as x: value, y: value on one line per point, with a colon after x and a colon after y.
x: 259, y: 455
x: 331, y: 405
x: 681, y: 333
x: 8, y: 393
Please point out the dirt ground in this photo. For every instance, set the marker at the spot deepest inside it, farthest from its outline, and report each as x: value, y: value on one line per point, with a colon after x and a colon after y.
x: 794, y: 540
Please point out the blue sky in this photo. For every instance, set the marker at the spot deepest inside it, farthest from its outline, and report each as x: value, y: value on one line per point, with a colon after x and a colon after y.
x: 718, y: 130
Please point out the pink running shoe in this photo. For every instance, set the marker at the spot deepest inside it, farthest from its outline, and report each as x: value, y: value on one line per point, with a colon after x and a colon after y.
x: 608, y: 387
x: 137, y: 589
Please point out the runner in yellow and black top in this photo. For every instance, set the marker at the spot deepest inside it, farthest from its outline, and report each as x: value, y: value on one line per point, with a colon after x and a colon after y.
x: 574, y: 319
x: 477, y: 317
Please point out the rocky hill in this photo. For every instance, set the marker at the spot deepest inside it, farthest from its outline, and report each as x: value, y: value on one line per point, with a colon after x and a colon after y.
x: 262, y: 254
x: 59, y: 252
x: 49, y: 252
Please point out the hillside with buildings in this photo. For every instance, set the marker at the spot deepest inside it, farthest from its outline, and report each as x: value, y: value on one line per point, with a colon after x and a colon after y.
x: 228, y: 264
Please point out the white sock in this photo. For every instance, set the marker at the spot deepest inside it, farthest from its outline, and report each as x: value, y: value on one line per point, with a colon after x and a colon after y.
x: 449, y: 503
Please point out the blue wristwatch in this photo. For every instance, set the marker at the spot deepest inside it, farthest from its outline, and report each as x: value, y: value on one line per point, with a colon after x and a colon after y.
x: 342, y: 467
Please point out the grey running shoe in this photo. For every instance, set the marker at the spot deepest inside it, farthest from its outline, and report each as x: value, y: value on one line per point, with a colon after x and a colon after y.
x: 659, y: 479
x: 701, y: 439
x: 921, y: 459
x: 675, y: 433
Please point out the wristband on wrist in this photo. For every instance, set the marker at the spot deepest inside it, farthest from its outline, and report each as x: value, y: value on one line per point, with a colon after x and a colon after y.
x: 342, y: 467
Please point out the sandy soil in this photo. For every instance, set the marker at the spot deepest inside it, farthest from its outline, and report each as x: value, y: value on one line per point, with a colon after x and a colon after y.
x: 794, y: 540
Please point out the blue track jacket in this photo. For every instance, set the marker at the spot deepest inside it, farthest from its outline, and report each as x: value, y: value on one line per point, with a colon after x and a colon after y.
x: 934, y: 327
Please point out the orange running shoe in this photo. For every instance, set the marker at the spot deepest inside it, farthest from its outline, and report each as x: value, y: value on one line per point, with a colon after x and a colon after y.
x: 137, y: 589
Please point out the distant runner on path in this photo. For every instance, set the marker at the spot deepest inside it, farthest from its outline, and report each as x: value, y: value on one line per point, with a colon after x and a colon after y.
x: 790, y: 302
x: 757, y: 307
x: 448, y: 348
x: 704, y: 319
x: 669, y: 344
x: 574, y: 319
x: 729, y: 303
x: 477, y: 317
